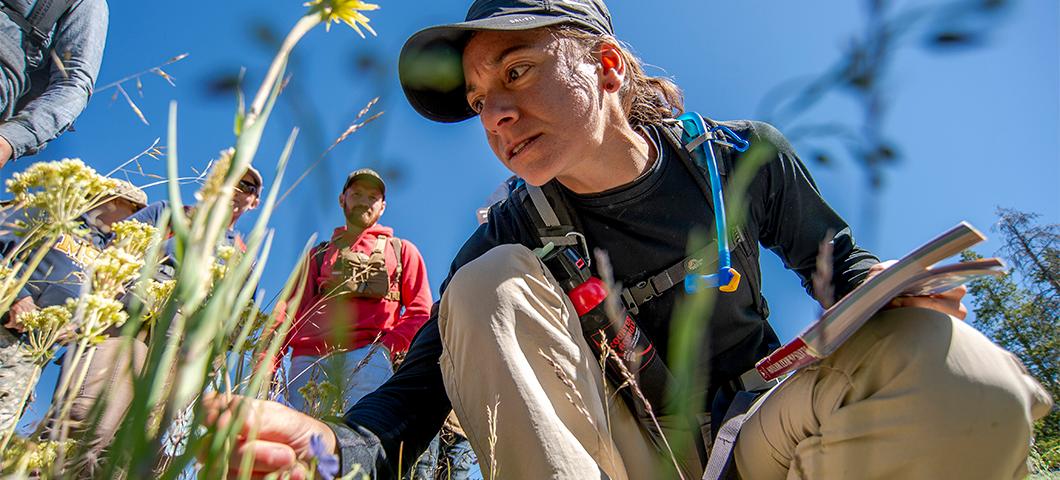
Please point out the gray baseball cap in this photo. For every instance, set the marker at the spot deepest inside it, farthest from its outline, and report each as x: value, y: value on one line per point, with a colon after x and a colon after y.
x: 430, y: 66
x: 365, y: 173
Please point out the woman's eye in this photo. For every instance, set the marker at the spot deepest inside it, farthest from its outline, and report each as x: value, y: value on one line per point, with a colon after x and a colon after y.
x: 518, y: 71
x: 476, y: 105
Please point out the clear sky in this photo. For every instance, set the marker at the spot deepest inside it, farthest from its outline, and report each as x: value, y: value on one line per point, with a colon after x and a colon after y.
x: 978, y: 127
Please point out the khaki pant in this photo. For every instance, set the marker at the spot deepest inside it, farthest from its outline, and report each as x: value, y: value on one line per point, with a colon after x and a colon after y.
x: 915, y: 394
x: 111, y: 373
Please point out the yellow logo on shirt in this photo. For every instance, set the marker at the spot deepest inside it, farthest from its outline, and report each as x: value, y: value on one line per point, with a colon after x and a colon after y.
x: 77, y: 249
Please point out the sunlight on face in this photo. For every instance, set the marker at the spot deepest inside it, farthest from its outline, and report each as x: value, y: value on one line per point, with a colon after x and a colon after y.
x: 538, y: 101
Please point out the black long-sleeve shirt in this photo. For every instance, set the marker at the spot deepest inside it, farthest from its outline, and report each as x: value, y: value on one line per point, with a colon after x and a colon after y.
x: 646, y: 226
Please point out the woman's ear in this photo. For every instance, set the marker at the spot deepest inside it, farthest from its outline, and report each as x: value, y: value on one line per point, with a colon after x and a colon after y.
x: 612, y: 67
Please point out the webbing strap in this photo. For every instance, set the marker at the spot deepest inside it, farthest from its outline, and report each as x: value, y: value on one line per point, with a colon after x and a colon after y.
x: 380, y: 245
x: 18, y: 17
x: 548, y: 215
x: 44, y: 16
x: 639, y: 294
x: 395, y: 295
x: 40, y: 21
x: 721, y: 451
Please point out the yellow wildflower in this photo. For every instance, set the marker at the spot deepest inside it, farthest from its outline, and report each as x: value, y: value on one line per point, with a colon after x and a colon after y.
x: 43, y: 328
x: 62, y: 190
x: 227, y: 256
x: 346, y: 11
x: 97, y: 314
x: 32, y: 455
x: 112, y: 270
x: 156, y: 295
x: 133, y: 236
x: 215, y: 178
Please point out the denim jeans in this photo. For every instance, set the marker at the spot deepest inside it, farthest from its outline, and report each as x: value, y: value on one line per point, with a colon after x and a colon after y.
x: 449, y: 457
x: 357, y: 373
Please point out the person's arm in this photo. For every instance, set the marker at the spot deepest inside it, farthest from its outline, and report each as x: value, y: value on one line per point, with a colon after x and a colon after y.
x: 150, y: 214
x: 397, y: 420
x: 78, y: 41
x: 415, y: 297
x: 794, y: 219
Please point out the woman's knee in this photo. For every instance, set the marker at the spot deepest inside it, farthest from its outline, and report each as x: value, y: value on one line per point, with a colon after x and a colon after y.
x: 479, y: 277
x: 498, y: 280
x: 965, y: 380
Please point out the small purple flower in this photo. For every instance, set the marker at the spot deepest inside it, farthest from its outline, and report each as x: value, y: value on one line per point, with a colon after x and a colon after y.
x: 327, y: 464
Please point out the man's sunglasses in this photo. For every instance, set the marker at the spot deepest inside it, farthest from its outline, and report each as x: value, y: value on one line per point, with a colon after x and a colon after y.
x: 248, y: 188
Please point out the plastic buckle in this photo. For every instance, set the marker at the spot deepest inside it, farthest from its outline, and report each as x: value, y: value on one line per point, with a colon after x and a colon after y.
x: 752, y: 381
x: 740, y: 144
x: 37, y: 35
x: 629, y: 303
x: 584, y: 244
x: 643, y: 292
x: 699, y: 140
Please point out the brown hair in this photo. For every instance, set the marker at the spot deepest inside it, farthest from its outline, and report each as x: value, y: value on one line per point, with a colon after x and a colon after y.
x: 645, y: 99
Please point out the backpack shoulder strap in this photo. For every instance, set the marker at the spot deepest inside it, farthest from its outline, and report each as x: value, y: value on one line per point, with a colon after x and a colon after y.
x: 395, y: 245
x: 41, y: 20
x: 549, y: 213
x: 380, y: 245
x: 316, y: 255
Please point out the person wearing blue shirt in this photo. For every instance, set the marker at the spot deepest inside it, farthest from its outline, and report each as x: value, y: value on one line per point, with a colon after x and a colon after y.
x: 57, y: 278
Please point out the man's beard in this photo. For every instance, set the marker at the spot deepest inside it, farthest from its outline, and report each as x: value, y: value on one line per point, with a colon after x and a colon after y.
x: 359, y: 216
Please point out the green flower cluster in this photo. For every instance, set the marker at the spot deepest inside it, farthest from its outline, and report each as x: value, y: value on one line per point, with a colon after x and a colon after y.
x: 215, y: 178
x: 134, y: 237
x: 62, y: 190
x: 322, y: 398
x: 156, y: 294
x: 112, y: 270
x: 97, y: 313
x: 28, y: 456
x: 227, y: 256
x: 43, y: 327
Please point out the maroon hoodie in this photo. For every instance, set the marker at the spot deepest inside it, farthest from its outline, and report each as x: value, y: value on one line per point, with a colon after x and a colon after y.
x: 312, y: 332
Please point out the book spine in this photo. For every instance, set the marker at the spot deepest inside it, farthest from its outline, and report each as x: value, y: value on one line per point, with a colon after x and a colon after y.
x: 795, y: 354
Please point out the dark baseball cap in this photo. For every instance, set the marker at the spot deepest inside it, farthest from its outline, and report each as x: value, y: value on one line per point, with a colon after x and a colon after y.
x: 367, y: 174
x: 430, y: 66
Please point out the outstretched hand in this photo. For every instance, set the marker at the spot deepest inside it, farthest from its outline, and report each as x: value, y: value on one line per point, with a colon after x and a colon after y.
x: 22, y: 306
x: 948, y: 302
x: 282, y: 438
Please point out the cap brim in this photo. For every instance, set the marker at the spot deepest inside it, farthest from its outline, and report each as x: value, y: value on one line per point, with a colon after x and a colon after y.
x: 366, y: 176
x: 256, y: 174
x: 431, y: 69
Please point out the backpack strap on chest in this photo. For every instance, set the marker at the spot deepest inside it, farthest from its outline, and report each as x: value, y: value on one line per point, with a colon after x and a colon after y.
x: 38, y: 24
x: 696, y: 139
x: 316, y: 255
x: 395, y: 288
x: 554, y: 225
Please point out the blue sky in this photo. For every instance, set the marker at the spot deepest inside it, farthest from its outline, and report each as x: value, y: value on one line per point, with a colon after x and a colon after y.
x: 978, y: 128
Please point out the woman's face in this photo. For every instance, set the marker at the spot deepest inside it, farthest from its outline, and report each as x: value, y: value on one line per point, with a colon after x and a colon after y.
x: 539, y: 101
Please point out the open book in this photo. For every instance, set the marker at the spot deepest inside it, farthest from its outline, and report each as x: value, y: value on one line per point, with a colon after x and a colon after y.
x: 913, y: 275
